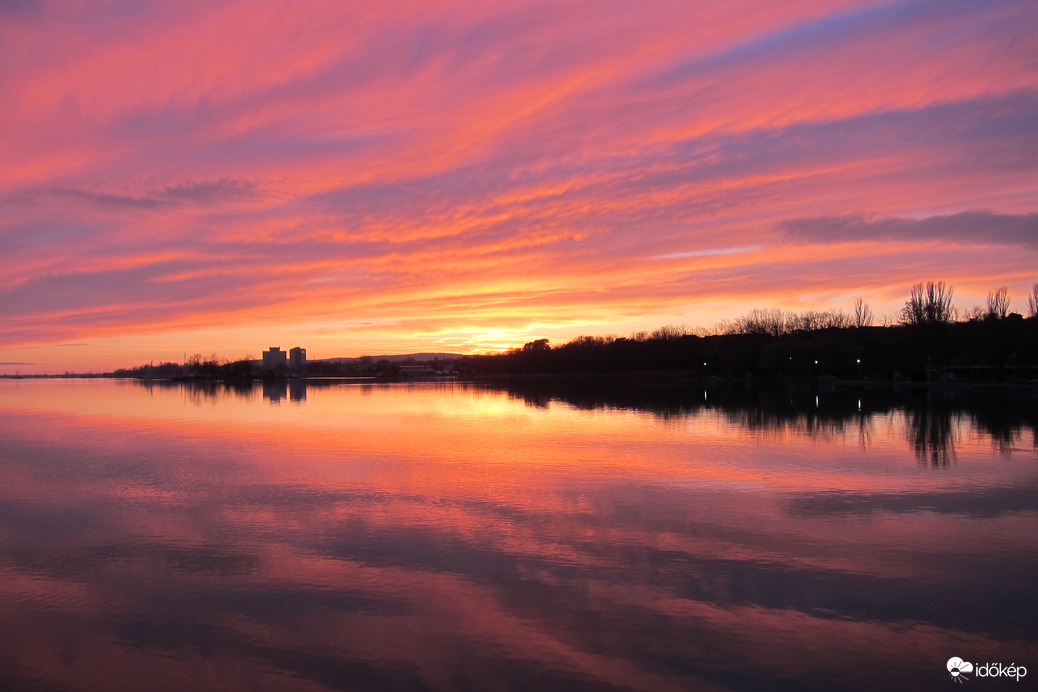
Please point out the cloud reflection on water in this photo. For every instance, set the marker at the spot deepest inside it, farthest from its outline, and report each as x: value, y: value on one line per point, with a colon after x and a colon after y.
x: 572, y: 548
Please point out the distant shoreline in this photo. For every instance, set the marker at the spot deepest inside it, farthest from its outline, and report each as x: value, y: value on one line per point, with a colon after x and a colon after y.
x: 671, y: 381
x: 989, y: 351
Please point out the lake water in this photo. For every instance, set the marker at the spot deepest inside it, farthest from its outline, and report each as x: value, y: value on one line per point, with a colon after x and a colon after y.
x: 535, y: 536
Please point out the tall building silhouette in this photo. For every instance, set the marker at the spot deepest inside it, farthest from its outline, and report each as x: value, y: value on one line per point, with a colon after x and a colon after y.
x: 275, y: 361
x: 297, y: 361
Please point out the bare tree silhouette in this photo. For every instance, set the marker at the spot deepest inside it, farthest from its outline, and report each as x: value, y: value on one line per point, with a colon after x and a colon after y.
x: 973, y: 313
x: 863, y: 316
x: 767, y: 321
x: 1032, y: 302
x: 669, y: 331
x: 998, y: 303
x: 929, y: 303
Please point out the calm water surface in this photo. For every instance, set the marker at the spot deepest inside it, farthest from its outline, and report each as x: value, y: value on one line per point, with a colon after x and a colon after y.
x: 352, y: 536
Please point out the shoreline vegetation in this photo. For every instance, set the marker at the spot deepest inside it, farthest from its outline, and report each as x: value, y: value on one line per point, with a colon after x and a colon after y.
x: 929, y: 342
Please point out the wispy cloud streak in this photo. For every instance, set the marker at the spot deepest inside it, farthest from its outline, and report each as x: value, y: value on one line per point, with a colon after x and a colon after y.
x: 494, y: 166
x: 970, y: 228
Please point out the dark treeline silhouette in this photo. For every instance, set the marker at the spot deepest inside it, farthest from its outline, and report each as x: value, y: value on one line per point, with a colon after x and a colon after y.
x: 987, y: 350
x: 245, y: 370
x: 195, y: 368
x: 927, y: 344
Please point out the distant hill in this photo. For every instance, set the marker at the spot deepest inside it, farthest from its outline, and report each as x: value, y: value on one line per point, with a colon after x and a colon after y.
x: 417, y: 357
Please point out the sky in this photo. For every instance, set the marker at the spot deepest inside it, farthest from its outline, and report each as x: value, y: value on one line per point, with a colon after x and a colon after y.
x: 365, y: 178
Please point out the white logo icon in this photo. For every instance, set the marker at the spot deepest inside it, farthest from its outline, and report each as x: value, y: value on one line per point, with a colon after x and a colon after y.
x: 956, y: 666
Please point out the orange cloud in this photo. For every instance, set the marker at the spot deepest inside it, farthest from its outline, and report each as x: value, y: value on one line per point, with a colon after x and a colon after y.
x: 493, y: 166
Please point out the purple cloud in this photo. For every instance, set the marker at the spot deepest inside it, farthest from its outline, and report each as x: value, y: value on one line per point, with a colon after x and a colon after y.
x: 970, y: 228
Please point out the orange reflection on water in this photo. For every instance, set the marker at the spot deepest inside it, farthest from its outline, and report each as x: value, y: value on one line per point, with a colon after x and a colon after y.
x: 454, y: 530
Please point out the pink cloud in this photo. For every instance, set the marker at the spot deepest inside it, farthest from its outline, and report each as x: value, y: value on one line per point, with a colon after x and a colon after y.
x: 210, y: 163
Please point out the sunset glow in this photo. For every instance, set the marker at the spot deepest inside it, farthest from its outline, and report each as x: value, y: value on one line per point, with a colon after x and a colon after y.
x: 370, y: 178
